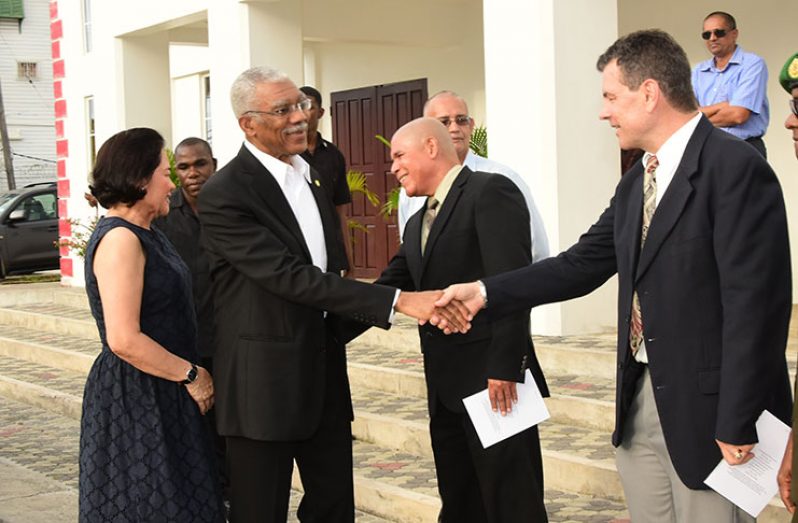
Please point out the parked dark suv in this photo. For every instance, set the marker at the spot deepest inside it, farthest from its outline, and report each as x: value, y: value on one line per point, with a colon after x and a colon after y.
x: 29, y: 229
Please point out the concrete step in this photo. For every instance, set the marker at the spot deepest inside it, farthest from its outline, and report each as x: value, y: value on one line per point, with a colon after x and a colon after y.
x: 390, y: 485
x: 585, y: 401
x: 51, y: 318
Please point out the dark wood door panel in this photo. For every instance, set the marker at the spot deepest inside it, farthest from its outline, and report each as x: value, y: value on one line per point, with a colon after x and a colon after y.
x: 358, y: 115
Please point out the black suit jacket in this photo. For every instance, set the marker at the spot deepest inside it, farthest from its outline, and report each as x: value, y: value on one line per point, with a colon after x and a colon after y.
x: 715, y: 292
x: 482, y: 228
x: 272, y: 336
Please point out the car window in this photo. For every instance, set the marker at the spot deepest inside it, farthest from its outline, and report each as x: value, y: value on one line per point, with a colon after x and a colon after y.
x: 39, y: 207
x: 6, y: 199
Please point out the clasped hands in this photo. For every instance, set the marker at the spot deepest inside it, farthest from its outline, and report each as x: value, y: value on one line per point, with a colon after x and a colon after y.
x: 451, y: 310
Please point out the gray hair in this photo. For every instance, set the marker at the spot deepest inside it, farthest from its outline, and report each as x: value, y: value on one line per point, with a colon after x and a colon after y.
x: 243, y: 90
x: 445, y: 92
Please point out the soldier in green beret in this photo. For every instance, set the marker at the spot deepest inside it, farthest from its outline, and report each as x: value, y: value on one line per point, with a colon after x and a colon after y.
x: 787, y: 489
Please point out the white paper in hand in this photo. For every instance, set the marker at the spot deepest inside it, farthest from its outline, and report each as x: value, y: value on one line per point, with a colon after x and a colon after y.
x: 492, y: 427
x: 751, y: 485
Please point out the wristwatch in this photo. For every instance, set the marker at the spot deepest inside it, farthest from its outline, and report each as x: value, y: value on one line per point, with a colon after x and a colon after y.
x: 191, y: 375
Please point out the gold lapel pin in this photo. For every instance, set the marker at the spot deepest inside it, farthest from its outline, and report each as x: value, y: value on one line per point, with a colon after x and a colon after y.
x: 318, y: 184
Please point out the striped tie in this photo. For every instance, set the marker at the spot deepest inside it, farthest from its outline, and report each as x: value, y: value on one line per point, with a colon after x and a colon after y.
x: 426, y: 221
x: 649, y: 206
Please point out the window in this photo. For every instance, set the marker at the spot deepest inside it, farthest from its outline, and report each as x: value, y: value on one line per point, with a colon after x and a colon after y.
x: 26, y: 70
x: 12, y: 9
x: 87, y: 36
x: 206, y: 108
x: 91, y: 143
x: 40, y: 207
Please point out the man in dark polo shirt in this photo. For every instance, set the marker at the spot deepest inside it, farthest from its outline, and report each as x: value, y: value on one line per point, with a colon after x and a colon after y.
x: 325, y: 157
x: 194, y: 163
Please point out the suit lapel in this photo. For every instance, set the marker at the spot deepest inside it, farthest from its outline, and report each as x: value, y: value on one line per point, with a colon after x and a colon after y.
x: 675, y: 198
x: 328, y: 220
x: 444, y: 214
x: 266, y: 187
x: 412, y: 246
x: 629, y: 235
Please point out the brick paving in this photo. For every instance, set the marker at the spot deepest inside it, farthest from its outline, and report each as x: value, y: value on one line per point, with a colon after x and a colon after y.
x: 47, y: 443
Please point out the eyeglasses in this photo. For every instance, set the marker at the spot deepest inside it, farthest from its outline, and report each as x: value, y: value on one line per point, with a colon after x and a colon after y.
x: 794, y: 106
x: 285, y: 110
x: 719, y: 33
x: 461, y: 119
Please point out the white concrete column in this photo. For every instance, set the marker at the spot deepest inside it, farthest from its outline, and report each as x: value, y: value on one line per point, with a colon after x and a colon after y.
x: 242, y: 35
x: 543, y: 96
x: 144, y: 82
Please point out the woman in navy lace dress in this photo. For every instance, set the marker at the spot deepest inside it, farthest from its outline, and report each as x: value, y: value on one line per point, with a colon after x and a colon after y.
x: 145, y: 455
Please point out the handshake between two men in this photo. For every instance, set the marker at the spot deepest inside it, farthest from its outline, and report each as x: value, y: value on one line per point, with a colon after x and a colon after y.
x: 451, y: 309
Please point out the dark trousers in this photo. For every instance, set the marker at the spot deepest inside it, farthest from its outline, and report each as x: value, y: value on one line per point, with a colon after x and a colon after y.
x: 217, y: 441
x: 500, y: 484
x: 759, y: 145
x: 260, y: 471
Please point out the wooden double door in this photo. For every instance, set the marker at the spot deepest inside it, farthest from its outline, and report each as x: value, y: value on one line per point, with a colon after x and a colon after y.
x: 358, y: 115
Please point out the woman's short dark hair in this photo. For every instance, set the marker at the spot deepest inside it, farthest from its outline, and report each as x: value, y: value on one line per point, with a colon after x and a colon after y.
x: 124, y: 165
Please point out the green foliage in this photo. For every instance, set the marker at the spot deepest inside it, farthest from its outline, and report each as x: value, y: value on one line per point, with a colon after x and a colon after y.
x: 170, y: 155
x: 391, y: 204
x: 479, y: 141
x: 383, y: 140
x: 357, y: 184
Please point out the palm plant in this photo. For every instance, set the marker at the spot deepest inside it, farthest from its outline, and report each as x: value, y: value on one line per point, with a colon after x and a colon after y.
x: 357, y: 184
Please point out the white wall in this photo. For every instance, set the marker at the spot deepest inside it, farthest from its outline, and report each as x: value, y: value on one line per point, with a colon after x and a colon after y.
x: 352, y: 46
x: 29, y: 109
x: 187, y: 65
x: 767, y: 29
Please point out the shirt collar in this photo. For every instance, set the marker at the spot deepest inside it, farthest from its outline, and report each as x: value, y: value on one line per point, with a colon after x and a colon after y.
x: 470, y: 160
x: 279, y: 169
x: 446, y: 184
x: 670, y: 153
x: 736, y: 58
x: 320, y: 142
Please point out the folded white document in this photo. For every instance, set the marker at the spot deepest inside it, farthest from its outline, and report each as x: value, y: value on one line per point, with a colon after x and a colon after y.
x: 492, y: 427
x: 751, y: 485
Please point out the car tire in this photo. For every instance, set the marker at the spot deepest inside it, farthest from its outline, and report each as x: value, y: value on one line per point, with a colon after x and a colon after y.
x: 2, y: 269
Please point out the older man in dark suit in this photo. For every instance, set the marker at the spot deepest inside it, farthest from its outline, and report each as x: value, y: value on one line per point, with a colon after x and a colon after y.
x: 275, y: 253
x: 473, y: 224
x: 697, y: 234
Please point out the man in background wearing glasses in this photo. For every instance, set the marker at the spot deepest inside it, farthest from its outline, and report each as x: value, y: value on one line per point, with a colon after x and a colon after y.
x: 731, y: 87
x: 452, y: 111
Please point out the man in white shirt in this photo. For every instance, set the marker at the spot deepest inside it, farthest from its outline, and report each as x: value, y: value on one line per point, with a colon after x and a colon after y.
x: 452, y: 111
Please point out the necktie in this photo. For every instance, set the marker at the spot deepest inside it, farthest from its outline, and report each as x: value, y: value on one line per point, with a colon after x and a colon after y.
x: 649, y: 206
x: 426, y: 222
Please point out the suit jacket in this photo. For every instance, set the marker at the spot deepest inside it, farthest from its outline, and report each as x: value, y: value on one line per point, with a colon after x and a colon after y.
x: 715, y: 293
x: 272, y: 335
x: 482, y: 228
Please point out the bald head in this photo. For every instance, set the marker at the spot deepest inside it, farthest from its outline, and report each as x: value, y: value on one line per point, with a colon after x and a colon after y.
x: 451, y: 110
x: 422, y: 154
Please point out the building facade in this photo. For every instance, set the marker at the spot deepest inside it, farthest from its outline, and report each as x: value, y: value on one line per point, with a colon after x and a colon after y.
x: 26, y: 80
x: 526, y: 68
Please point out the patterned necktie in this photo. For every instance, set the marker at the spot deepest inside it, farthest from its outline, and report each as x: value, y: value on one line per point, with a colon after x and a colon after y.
x: 426, y: 222
x: 649, y: 206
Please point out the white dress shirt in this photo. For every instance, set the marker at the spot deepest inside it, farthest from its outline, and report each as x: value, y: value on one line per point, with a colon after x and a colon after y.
x: 669, y: 157
x: 540, y: 242
x: 294, y: 181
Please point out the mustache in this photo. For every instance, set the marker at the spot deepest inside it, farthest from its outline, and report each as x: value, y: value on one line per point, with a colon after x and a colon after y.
x: 298, y: 128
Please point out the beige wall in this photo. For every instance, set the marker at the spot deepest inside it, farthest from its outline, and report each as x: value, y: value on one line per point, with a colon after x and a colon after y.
x: 766, y: 28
